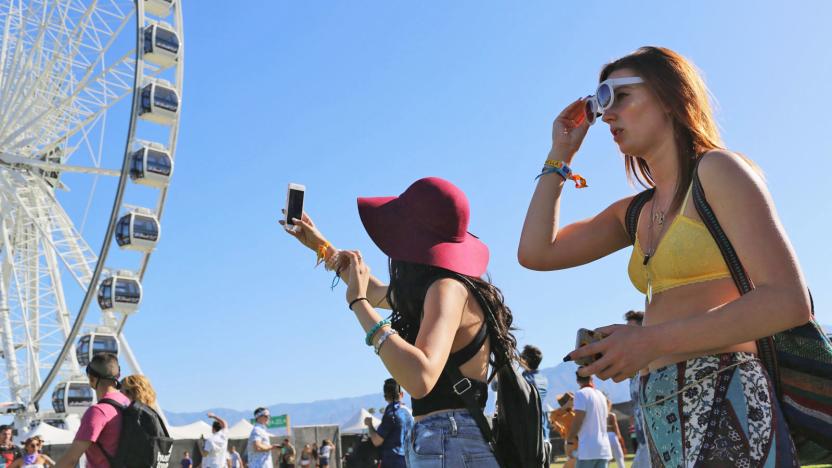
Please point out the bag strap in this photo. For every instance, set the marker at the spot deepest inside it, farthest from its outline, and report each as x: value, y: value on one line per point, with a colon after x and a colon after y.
x: 633, y: 212
x: 765, y: 345
x: 120, y: 409
x: 462, y: 385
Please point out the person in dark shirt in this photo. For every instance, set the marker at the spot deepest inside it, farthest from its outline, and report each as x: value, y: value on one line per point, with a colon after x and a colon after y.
x: 8, y: 451
x: 532, y: 356
x: 186, y: 461
x: 395, y: 424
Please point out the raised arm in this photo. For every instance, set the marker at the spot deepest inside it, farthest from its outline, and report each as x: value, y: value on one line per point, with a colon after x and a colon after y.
x: 308, y: 234
x: 543, y: 245
x: 219, y: 420
x: 416, y: 367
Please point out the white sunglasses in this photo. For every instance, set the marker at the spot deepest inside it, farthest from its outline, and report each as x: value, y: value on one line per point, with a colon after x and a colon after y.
x: 605, y: 95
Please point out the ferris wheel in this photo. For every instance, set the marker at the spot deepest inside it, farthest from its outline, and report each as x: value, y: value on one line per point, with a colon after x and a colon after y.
x: 90, y: 99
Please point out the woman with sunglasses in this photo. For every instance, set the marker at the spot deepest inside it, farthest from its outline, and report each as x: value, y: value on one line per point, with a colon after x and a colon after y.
x: 706, y: 397
x: 32, y: 458
x: 437, y: 323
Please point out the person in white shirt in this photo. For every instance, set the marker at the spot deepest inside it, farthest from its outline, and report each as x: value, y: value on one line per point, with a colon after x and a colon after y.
x: 214, y: 447
x: 233, y: 457
x: 259, y: 446
x: 590, y: 426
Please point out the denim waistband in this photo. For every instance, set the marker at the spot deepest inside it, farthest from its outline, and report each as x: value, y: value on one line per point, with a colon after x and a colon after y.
x: 457, y: 415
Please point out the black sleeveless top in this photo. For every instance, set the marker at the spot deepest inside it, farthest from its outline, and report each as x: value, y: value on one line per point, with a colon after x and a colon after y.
x: 442, y: 396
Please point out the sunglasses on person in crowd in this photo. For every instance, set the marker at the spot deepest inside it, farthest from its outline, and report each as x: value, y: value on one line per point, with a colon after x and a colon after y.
x: 604, y: 96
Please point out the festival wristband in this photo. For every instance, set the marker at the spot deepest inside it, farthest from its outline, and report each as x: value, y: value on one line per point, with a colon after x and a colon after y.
x: 321, y: 253
x: 369, y: 339
x: 562, y: 169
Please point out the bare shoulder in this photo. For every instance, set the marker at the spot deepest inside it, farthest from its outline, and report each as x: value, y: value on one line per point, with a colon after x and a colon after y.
x: 725, y: 174
x: 448, y: 287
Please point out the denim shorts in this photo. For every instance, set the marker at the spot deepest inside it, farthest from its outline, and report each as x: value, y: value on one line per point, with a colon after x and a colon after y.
x: 449, y: 439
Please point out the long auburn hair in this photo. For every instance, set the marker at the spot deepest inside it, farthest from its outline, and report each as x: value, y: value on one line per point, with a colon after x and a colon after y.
x: 678, y: 84
x: 409, y: 283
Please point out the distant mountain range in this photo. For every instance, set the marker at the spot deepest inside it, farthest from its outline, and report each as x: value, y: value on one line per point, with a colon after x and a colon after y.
x: 337, y: 411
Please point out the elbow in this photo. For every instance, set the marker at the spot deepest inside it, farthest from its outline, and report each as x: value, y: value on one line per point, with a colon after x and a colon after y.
x: 529, y: 260
x: 422, y: 386
x: 801, y: 307
x: 417, y: 391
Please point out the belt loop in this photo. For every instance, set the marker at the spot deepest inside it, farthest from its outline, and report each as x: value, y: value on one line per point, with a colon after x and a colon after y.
x: 453, y: 425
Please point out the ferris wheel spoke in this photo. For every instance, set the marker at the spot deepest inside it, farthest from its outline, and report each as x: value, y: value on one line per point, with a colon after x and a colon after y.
x: 13, y: 377
x: 57, y: 229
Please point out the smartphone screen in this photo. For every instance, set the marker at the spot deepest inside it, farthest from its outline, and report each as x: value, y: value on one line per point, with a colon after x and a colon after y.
x: 294, y: 207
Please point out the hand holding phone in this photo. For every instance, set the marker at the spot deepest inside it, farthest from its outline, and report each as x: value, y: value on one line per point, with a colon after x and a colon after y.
x: 294, y: 205
x: 585, y: 337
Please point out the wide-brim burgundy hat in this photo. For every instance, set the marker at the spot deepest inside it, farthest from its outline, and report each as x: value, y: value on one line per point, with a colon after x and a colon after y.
x: 427, y: 224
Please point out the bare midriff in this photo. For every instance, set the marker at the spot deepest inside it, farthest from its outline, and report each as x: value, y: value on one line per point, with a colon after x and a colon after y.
x: 688, y: 301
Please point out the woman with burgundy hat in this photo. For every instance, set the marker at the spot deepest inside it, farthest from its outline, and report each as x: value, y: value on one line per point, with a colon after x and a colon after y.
x: 435, y: 291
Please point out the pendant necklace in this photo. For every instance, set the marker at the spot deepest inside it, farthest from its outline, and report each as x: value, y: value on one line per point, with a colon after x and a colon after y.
x: 656, y: 218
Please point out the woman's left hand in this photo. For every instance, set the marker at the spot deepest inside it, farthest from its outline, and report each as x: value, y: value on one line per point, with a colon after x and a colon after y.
x: 358, y: 273
x: 625, y: 350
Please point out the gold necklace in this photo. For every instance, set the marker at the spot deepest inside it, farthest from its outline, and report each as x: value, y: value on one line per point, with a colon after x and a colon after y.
x: 656, y: 217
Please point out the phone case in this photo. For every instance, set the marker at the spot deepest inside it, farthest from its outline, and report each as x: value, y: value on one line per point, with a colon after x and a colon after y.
x: 585, y: 337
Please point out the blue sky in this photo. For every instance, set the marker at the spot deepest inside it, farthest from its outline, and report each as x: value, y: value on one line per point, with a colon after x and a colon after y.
x: 362, y: 98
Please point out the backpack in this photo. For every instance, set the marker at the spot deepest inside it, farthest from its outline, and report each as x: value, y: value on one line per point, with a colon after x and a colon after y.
x: 517, y: 434
x: 799, y: 360
x: 144, y: 441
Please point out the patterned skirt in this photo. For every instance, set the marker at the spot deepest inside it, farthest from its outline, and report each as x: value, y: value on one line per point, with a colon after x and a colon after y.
x: 716, y: 410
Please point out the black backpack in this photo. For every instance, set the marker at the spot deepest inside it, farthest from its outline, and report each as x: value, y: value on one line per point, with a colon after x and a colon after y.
x: 517, y: 436
x: 144, y: 441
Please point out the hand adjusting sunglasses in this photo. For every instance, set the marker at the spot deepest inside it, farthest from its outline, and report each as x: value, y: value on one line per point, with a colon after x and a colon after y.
x: 605, y: 95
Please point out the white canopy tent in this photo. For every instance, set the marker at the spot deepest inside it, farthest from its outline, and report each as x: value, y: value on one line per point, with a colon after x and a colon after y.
x: 190, y: 431
x: 241, y: 430
x: 355, y: 425
x: 51, y: 435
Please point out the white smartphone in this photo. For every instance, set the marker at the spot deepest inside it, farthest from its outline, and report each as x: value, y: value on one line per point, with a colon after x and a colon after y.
x: 294, y: 204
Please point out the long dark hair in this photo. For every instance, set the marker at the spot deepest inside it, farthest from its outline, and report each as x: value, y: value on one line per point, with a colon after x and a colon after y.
x: 409, y: 283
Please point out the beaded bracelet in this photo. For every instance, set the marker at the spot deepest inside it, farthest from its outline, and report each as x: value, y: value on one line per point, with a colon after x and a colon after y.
x: 369, y: 339
x: 381, y: 339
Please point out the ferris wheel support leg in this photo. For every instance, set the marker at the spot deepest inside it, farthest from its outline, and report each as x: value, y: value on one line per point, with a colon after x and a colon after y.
x: 9, y: 353
x: 127, y: 352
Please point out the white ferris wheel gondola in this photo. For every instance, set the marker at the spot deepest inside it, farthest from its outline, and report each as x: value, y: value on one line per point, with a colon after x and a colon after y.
x: 151, y: 165
x: 159, y: 103
x: 160, y: 8
x: 72, y: 397
x: 161, y: 44
x: 95, y: 343
x: 138, y: 230
x: 121, y: 292
x: 76, y: 76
